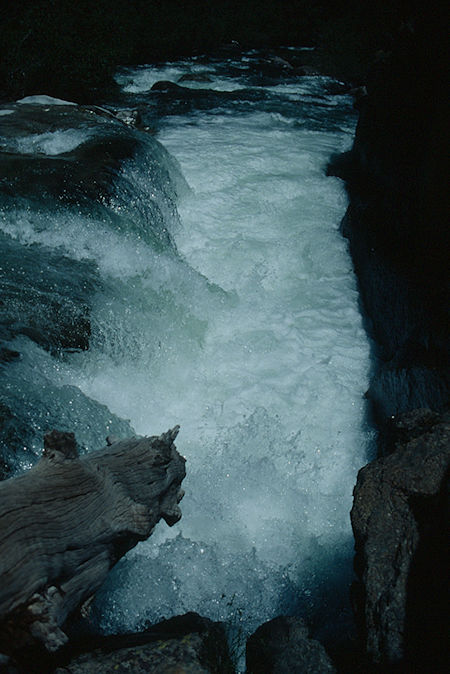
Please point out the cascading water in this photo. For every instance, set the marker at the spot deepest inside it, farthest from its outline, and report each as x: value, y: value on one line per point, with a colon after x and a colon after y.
x: 214, y: 290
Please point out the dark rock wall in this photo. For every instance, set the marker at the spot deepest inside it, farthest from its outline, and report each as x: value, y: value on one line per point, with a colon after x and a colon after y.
x: 397, y: 226
x: 397, y: 221
x: 398, y: 518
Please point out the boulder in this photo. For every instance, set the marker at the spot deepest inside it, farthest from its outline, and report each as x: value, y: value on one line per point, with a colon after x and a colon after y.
x: 186, y: 644
x: 167, y: 86
x: 399, y: 519
x: 283, y: 646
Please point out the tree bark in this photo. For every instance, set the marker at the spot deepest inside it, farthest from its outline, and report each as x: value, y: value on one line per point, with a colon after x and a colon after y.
x: 67, y: 521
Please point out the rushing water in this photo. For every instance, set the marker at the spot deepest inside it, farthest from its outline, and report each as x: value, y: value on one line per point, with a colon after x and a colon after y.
x: 200, y: 259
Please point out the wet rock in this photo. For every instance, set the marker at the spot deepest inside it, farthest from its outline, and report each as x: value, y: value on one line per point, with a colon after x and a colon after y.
x: 11, y: 435
x: 186, y: 644
x: 62, y: 442
x: 283, y: 646
x: 129, y: 116
x: 281, y: 62
x: 359, y: 94
x: 47, y: 297
x: 270, y: 68
x: 167, y: 86
x: 24, y: 413
x: 195, y: 77
x: 413, y: 424
x: 79, y: 170
x: 307, y: 71
x: 400, y: 519
x: 7, y: 666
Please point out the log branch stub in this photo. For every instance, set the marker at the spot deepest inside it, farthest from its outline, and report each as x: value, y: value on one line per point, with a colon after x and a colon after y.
x: 62, y: 443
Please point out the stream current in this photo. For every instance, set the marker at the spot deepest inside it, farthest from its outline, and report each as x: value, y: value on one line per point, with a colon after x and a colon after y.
x: 192, y: 271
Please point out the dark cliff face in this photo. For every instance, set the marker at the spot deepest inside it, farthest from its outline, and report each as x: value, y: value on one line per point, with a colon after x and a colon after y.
x: 397, y: 221
x: 399, y: 521
x: 397, y: 226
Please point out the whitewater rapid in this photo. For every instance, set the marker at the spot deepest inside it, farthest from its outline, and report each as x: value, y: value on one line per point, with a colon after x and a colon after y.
x: 236, y: 317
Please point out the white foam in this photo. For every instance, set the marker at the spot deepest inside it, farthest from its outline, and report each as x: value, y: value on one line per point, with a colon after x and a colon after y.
x: 251, y: 339
x: 52, y: 143
x: 43, y: 99
x: 141, y: 80
x: 266, y: 377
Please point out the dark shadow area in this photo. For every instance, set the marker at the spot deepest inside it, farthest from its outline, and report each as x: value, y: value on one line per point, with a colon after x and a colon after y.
x: 426, y: 635
x: 397, y: 219
x: 71, y: 50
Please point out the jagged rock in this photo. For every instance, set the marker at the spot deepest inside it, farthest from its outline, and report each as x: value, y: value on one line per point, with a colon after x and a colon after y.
x: 399, y: 521
x: 283, y: 646
x: 67, y: 521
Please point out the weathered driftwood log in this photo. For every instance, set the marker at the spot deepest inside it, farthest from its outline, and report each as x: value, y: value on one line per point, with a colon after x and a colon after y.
x: 67, y: 521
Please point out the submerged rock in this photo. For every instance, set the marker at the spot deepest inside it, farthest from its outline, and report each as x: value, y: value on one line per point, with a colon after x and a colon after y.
x: 283, y: 646
x: 167, y: 86
x: 399, y: 519
x: 195, y: 77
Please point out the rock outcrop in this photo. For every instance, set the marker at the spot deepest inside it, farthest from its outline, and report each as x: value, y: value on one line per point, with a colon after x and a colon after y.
x: 399, y: 518
x: 397, y: 227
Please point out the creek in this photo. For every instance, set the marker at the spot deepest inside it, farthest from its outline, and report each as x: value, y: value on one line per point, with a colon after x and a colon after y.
x: 192, y: 271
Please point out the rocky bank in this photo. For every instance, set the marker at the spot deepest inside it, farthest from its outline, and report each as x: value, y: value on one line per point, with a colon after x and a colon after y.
x: 397, y: 220
x: 397, y: 226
